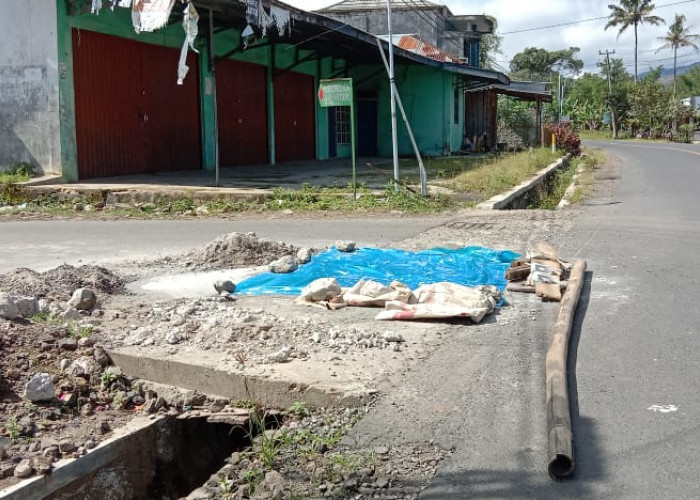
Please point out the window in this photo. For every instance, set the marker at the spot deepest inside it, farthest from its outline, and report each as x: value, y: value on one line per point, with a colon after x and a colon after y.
x: 342, y: 125
x: 456, y: 106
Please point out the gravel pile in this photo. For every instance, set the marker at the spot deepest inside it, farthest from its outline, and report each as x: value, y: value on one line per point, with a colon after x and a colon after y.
x: 234, y: 250
x: 59, y: 283
x: 260, y: 337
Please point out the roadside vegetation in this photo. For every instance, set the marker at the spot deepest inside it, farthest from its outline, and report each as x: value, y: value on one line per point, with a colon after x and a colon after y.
x: 457, y: 182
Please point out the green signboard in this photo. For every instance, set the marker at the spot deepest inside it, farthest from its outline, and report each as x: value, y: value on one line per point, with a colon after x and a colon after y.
x: 339, y: 92
x: 335, y: 92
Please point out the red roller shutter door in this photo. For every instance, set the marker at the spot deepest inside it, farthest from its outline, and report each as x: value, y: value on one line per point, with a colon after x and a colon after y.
x: 130, y: 115
x: 241, y: 91
x: 295, y: 124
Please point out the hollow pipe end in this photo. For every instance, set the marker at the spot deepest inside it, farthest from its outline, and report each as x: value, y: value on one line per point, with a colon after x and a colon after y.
x: 561, y: 466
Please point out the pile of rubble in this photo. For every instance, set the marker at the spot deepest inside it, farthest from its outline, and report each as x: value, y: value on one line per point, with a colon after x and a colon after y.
x: 540, y: 272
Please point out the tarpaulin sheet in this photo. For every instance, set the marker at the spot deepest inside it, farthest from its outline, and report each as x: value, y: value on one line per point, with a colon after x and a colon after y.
x: 470, y: 266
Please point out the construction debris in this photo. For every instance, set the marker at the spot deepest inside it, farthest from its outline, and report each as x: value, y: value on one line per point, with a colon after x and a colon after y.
x: 541, y: 272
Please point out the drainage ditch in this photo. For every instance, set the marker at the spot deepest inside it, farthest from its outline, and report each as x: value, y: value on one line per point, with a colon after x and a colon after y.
x: 165, y: 459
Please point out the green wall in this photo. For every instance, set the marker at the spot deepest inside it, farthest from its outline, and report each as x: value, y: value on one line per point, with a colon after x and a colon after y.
x: 427, y: 92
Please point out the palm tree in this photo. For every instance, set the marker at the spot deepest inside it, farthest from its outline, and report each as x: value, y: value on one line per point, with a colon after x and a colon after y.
x: 678, y: 36
x: 632, y: 13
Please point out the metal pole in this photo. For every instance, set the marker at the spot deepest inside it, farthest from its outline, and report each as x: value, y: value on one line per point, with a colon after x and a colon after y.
x: 352, y: 142
x: 392, y: 88
x: 421, y: 167
x: 212, y: 62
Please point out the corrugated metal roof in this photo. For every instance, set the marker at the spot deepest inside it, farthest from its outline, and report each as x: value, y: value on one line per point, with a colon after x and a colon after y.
x: 355, y: 5
x: 414, y: 44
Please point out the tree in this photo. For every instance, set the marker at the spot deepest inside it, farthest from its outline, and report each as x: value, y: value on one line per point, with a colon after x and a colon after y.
x: 632, y: 13
x: 689, y: 82
x: 678, y: 36
x: 490, y: 47
x: 538, y: 64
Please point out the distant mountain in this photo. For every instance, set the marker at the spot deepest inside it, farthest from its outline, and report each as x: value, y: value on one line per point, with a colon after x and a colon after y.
x: 667, y: 72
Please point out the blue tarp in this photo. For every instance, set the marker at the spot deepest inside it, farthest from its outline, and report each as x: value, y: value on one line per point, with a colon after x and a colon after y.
x: 470, y: 266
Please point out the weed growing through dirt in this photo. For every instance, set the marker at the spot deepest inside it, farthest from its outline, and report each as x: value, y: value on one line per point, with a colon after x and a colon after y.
x: 299, y: 409
x: 489, y: 176
x: 14, y: 429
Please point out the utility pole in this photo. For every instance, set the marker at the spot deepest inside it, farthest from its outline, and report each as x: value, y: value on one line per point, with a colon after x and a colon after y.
x: 610, y: 101
x: 392, y: 88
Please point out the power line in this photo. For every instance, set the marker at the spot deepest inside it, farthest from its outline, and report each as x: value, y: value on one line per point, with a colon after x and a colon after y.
x: 581, y: 21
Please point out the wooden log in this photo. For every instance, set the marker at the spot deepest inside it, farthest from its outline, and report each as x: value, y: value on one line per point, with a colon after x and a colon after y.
x: 560, y: 448
x: 518, y: 273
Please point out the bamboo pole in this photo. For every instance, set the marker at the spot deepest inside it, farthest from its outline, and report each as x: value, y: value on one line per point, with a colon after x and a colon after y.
x: 560, y: 449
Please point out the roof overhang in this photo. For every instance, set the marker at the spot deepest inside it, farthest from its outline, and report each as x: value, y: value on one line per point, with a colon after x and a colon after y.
x: 330, y: 37
x: 527, y: 91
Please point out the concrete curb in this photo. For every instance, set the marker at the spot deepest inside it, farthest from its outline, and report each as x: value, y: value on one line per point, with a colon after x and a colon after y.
x: 277, y: 393
x: 71, y: 470
x: 511, y: 198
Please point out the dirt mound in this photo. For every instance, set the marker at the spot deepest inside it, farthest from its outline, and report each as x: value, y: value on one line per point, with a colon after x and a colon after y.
x: 61, y: 281
x: 236, y: 250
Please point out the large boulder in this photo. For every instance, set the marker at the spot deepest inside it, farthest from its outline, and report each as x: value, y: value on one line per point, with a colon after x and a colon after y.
x: 304, y: 255
x: 27, y: 306
x: 83, y: 299
x: 8, y: 307
x: 321, y: 289
x: 284, y: 265
x: 40, y: 388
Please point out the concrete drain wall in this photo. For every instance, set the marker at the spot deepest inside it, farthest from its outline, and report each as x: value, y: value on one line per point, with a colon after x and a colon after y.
x: 165, y: 458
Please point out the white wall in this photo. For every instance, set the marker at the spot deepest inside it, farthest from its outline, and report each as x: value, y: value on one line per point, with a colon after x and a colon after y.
x: 29, y: 109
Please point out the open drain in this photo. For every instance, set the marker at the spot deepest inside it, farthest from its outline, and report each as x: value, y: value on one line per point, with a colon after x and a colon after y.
x: 165, y: 459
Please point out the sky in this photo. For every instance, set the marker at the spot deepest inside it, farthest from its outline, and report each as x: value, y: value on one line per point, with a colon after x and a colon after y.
x: 590, y: 37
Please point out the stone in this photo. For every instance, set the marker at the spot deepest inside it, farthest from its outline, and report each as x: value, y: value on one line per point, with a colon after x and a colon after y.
x: 304, y: 255
x: 24, y: 469
x: 40, y: 388
x: 284, y: 265
x: 84, y: 367
x: 346, y: 246
x: 68, y: 344
x: 7, y: 471
x: 174, y: 337
x: 282, y: 356
x: 70, y: 314
x: 51, y: 452
x: 392, y: 337
x: 66, y: 446
x: 321, y: 289
x: 42, y: 465
x: 105, y: 427
x: 273, y: 484
x: 381, y: 450
x: 381, y: 483
x: 8, y: 308
x: 225, y: 286
x: 27, y: 306
x: 83, y: 299
x: 100, y: 355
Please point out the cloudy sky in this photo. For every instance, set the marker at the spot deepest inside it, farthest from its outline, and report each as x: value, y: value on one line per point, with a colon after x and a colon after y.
x: 517, y: 15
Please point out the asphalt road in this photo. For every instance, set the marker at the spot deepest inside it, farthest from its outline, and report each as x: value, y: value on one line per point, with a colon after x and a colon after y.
x: 634, y: 370
x: 42, y: 244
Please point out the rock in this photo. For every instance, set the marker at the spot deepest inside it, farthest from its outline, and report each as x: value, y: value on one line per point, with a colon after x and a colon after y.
x: 321, y: 289
x: 68, y: 344
x: 174, y: 337
x: 100, y: 355
x: 83, y: 299
x: 85, y: 342
x: 381, y: 483
x: 304, y: 255
x: 42, y: 465
x: 105, y: 427
x: 66, y: 446
x: 84, y: 367
x: 65, y: 363
x: 70, y: 314
x: 284, y: 265
x: 282, y: 356
x: 7, y: 471
x: 51, y: 452
x: 225, y: 286
x: 24, y: 469
x: 381, y: 450
x: 374, y: 289
x: 8, y: 308
x: 392, y: 337
x: 346, y: 246
x: 40, y: 388
x: 27, y: 306
x: 273, y: 484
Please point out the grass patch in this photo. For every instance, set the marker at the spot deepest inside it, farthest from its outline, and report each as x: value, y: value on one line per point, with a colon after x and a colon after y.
x: 490, y: 176
x: 595, y: 135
